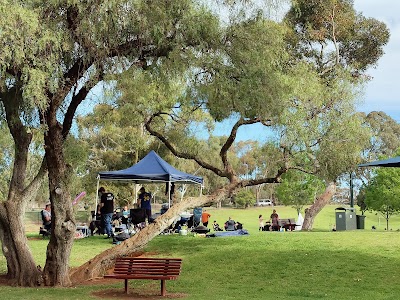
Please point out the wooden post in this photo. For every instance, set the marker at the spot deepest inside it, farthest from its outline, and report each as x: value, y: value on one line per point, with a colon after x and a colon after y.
x: 163, y: 289
x: 126, y: 286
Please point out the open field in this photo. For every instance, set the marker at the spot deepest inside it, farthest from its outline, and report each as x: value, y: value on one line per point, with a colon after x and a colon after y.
x: 325, y: 220
x: 360, y: 264
x: 249, y: 217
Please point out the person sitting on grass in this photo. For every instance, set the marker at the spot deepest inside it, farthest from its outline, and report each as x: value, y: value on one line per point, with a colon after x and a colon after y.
x: 216, y: 226
x: 230, y: 225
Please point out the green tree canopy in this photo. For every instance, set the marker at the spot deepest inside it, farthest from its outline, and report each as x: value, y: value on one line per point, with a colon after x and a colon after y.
x: 53, y: 54
x: 178, y: 70
x: 245, y: 198
x: 382, y: 192
x: 298, y: 189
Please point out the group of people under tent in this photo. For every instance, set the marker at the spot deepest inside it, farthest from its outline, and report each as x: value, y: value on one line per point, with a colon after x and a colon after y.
x: 105, y: 213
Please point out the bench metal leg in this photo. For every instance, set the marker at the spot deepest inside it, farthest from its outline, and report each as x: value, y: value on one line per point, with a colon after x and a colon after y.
x: 126, y: 286
x: 163, y: 289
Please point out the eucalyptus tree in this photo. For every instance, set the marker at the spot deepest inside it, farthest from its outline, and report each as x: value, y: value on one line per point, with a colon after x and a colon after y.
x: 382, y: 192
x: 298, y: 189
x: 385, y: 135
x: 247, y: 155
x: 255, y: 71
x: 385, y: 141
x: 56, y: 52
x: 6, y: 158
x: 305, y: 94
x: 245, y: 198
x: 114, y: 140
x: 337, y: 42
x: 172, y: 96
x: 53, y: 54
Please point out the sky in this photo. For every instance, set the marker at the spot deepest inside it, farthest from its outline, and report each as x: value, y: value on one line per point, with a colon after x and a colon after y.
x: 381, y: 93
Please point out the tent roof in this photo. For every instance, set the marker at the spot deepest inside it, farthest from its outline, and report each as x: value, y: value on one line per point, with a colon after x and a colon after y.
x: 391, y: 162
x: 152, y: 168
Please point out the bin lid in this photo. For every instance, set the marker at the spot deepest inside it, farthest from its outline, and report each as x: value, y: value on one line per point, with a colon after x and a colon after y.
x: 346, y: 208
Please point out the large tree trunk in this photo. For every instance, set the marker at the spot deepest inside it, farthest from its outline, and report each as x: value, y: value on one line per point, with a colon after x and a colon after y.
x: 104, y: 261
x: 56, y: 271
x: 21, y: 267
x: 319, y: 204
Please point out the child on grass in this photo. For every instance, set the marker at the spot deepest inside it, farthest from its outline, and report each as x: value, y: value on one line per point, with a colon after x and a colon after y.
x: 260, y: 223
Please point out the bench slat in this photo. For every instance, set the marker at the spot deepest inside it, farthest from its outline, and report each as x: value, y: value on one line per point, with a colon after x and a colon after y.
x: 144, y: 265
x: 147, y: 259
x: 162, y: 271
x: 141, y: 276
x: 149, y: 273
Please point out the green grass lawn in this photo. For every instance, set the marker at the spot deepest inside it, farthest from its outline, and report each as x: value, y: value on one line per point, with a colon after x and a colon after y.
x: 359, y: 264
x: 325, y: 220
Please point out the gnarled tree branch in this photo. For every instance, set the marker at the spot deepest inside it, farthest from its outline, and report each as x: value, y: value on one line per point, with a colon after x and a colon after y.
x: 180, y: 154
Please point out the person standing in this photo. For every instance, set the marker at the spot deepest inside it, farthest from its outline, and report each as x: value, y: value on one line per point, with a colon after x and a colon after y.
x: 260, y: 223
x: 170, y: 193
x: 205, y: 216
x: 144, y: 202
x: 107, y: 210
x: 96, y: 225
x: 274, y: 221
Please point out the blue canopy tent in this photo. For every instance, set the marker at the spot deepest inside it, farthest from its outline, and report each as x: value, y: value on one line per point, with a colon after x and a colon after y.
x: 391, y: 162
x: 151, y: 169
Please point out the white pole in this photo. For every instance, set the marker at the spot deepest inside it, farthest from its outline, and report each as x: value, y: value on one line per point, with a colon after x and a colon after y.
x: 183, y: 190
x: 97, y: 196
x: 169, y: 194
x: 135, y: 195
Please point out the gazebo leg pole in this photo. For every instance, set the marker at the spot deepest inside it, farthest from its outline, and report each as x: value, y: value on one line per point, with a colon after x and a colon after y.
x: 169, y: 194
x: 97, y: 196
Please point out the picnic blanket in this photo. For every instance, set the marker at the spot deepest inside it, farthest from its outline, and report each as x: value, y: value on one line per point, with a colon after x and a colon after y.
x: 239, y: 232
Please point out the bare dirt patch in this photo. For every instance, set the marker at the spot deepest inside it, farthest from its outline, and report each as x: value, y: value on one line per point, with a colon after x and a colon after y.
x: 134, y: 294
x: 4, y: 281
x: 149, y: 291
x: 146, y: 291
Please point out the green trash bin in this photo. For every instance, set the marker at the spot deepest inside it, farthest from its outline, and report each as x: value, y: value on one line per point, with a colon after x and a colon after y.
x: 360, y: 222
x: 346, y: 218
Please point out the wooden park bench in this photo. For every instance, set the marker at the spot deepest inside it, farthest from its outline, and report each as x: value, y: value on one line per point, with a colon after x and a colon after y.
x: 146, y: 268
x: 288, y: 224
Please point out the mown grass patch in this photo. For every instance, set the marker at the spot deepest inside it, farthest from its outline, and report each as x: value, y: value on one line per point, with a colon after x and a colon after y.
x: 360, y: 264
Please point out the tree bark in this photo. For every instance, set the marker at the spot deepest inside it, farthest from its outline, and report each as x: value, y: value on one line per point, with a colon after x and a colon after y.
x: 21, y: 267
x: 98, y: 265
x: 56, y: 271
x: 319, y: 204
